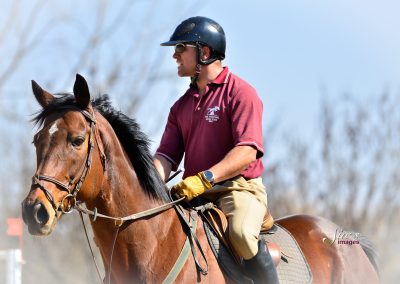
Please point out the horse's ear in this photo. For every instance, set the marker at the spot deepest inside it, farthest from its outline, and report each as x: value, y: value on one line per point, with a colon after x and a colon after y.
x: 81, y: 92
x: 43, y: 97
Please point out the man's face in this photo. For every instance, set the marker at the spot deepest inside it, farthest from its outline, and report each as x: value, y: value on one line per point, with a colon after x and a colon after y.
x: 185, y: 56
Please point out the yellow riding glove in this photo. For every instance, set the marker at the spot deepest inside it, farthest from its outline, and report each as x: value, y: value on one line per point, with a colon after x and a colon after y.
x: 192, y: 186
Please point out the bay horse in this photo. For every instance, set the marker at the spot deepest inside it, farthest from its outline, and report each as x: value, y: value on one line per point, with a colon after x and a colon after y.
x: 87, y: 152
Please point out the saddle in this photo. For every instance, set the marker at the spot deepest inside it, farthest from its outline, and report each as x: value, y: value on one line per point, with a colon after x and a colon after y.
x: 218, y: 222
x: 289, y: 260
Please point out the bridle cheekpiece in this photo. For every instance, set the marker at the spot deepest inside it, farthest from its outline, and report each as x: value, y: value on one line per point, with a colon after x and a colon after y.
x: 73, y: 186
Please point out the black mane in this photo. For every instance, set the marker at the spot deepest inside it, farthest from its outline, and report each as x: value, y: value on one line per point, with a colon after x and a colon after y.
x: 133, y: 140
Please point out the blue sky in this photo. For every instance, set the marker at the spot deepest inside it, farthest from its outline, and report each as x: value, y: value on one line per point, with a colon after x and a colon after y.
x: 297, y: 53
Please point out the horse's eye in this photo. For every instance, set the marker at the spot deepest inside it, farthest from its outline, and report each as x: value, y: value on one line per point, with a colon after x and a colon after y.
x: 77, y: 141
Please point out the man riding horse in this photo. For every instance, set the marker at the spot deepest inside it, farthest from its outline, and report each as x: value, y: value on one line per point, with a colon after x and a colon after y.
x: 222, y: 149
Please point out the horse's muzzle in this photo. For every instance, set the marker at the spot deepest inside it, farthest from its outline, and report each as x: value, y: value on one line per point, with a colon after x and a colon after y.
x: 36, y: 216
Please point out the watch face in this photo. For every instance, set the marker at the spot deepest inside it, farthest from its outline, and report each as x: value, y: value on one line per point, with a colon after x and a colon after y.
x: 209, y: 176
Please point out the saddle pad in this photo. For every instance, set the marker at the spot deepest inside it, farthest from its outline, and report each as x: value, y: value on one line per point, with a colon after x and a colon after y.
x: 293, y: 267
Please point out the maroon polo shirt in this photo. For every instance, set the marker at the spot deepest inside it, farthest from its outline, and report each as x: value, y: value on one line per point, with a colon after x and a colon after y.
x: 205, y: 129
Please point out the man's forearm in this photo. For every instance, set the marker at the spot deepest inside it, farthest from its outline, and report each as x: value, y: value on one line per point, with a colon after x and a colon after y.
x: 237, y: 160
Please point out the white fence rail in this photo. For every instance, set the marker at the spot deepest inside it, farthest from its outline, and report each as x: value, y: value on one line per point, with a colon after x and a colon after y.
x: 11, y: 264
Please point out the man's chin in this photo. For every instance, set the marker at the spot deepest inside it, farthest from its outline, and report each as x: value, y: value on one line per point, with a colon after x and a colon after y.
x: 183, y: 73
x: 180, y: 74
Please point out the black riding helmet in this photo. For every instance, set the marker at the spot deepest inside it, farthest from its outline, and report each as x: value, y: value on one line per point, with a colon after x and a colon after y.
x: 202, y: 31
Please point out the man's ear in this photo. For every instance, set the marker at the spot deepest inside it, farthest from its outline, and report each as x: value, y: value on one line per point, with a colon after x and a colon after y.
x: 206, y: 53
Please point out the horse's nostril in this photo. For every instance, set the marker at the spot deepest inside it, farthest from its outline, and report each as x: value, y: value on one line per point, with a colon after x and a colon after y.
x: 40, y: 214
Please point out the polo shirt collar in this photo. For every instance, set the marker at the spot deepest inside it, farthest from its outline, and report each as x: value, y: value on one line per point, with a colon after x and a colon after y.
x: 222, y: 78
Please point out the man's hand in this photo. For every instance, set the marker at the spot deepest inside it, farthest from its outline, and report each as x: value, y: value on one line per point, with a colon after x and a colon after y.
x: 192, y: 186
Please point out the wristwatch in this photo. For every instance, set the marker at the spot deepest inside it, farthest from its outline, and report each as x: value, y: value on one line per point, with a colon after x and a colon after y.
x: 209, y: 176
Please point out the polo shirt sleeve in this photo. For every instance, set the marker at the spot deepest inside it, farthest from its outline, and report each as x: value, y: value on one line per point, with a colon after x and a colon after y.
x: 246, y: 115
x: 171, y: 145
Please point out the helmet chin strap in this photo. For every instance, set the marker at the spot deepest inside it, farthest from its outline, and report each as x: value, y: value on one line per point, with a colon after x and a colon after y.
x: 197, y: 73
x: 200, y: 62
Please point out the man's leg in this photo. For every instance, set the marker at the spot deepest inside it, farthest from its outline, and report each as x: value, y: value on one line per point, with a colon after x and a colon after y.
x: 245, y: 213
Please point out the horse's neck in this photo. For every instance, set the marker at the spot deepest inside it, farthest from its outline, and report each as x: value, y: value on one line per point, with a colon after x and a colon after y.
x: 121, y: 191
x: 138, y: 249
x: 138, y: 241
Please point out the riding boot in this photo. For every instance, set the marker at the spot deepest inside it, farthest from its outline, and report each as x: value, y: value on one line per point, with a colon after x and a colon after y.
x: 261, y: 268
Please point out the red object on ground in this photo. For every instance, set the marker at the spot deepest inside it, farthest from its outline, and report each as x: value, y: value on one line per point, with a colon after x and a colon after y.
x: 14, y: 227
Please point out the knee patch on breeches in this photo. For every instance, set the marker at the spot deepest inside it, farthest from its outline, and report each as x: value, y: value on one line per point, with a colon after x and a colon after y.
x: 243, y: 240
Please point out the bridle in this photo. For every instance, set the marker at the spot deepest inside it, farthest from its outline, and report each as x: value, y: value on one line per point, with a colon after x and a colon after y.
x: 73, y: 186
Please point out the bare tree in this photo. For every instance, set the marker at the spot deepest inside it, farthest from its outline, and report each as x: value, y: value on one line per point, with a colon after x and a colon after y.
x: 349, y: 174
x: 114, y: 44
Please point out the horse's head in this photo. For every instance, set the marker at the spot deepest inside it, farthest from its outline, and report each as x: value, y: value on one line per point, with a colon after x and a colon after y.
x: 64, y: 151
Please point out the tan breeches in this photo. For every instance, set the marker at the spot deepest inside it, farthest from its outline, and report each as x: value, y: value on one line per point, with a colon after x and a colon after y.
x: 244, y: 202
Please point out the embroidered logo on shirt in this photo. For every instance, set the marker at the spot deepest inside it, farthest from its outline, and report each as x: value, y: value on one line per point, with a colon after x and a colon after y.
x: 212, y: 115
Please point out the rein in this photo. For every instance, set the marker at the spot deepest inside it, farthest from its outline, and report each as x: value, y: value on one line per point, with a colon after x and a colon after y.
x: 121, y: 220
x: 118, y: 223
